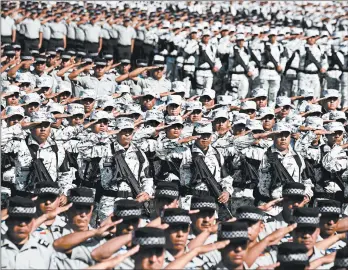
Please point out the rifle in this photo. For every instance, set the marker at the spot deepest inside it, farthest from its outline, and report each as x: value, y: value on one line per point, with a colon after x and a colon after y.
x: 203, y: 173
x: 239, y: 60
x: 254, y: 58
x: 311, y: 59
x: 336, y: 60
x: 289, y: 62
x: 204, y: 58
x: 126, y: 173
x: 271, y: 58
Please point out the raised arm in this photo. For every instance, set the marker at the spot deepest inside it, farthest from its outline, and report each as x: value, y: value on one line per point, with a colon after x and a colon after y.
x: 75, y: 73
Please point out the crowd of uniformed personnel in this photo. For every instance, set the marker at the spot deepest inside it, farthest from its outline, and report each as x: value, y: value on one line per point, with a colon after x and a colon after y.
x: 172, y: 135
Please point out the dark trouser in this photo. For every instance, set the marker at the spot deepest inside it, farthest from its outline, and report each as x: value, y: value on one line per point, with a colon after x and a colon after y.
x: 45, y: 45
x: 149, y: 52
x: 107, y: 46
x: 70, y: 43
x: 79, y: 45
x: 6, y: 40
x: 92, y: 48
x: 113, y: 44
x: 138, y: 52
x: 30, y: 44
x: 56, y: 43
x: 124, y: 52
x: 20, y: 39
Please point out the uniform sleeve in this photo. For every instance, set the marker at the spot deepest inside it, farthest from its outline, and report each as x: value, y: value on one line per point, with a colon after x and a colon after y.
x: 303, y: 143
x: 334, y: 161
x: 145, y: 177
x: 70, y: 132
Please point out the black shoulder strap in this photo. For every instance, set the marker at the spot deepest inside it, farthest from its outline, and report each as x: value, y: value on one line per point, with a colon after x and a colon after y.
x: 217, y: 155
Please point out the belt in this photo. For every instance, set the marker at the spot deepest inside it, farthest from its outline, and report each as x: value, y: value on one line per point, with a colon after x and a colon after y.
x: 149, y: 44
x: 120, y: 45
x: 88, y: 184
x: 92, y: 42
x: 200, y: 193
x: 270, y: 68
x: 203, y: 68
x: 238, y: 72
x: 30, y: 38
x: 56, y: 39
x: 309, y: 71
x: 5, y: 36
x: 116, y: 194
x: 7, y: 184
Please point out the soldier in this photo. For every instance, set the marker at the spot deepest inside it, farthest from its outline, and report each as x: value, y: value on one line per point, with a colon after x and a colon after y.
x: 285, y: 159
x: 20, y: 249
x: 291, y: 255
x: 313, y: 64
x: 8, y: 27
x: 240, y: 68
x: 114, y: 179
x: 47, y: 202
x: 330, y: 102
x: 58, y: 32
x: 93, y: 37
x: 126, y: 38
x: 32, y: 31
x: 330, y: 213
x: 11, y: 95
x: 39, y: 156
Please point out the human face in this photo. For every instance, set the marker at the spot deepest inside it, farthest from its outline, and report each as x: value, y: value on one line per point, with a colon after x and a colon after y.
x: 31, y: 107
x: 335, y: 138
x: 292, y: 202
x: 80, y: 216
x: 268, y: 122
x: 12, y: 100
x: 41, y: 132
x: 88, y: 103
x: 261, y: 102
x: 101, y: 126
x: 174, y: 131
x: 40, y: 67
x: 64, y: 96
x: 24, y: 86
x: 164, y: 203
x: 328, y: 224
x: 203, y: 221
x: 331, y: 103
x: 15, y: 119
x: 124, y: 68
x: 127, y: 226
x: 250, y: 112
x: 48, y: 203
x: 206, y: 101
x: 124, y: 137
x: 205, y: 39
x: 158, y: 73
x: 173, y: 109
x: 240, y: 43
x: 284, y: 111
x: 311, y: 40
x: 57, y: 122
x: 194, y: 36
x: 176, y: 237
x: 204, y: 141
x: 19, y: 228
x: 148, y: 102
x: 235, y: 253
x: 99, y: 71
x: 149, y: 259
x: 196, y: 116
x: 45, y: 90
x: 272, y: 38
x: 282, y: 140
x: 221, y: 125
x: 76, y: 119
x: 306, y: 235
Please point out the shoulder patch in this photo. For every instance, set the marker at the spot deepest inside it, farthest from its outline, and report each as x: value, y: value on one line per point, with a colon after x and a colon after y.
x: 43, y: 243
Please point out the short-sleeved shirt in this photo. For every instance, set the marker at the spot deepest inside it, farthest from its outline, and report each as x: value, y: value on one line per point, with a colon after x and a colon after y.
x: 103, y: 87
x: 58, y: 30
x: 7, y: 25
x: 32, y: 28
x: 125, y: 34
x: 92, y: 33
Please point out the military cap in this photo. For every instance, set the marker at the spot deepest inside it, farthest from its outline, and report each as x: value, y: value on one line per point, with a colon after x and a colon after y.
x: 259, y: 92
x: 10, y: 90
x: 123, y: 88
x: 254, y: 125
x: 31, y: 98
x: 64, y: 86
x: 203, y: 128
x: 175, y: 216
x: 313, y: 108
x: 154, y: 115
x: 281, y: 127
x: 21, y: 207
x: 109, y: 57
x: 141, y: 62
x: 55, y: 107
x: 124, y: 123
x: 165, y: 189
x: 224, y: 99
x: 248, y: 105
x: 127, y: 209
x: 99, y: 115
x: 203, y: 203
x: 208, y: 92
x: 179, y: 87
x: 334, y: 126
x: 337, y: 115
x: 125, y: 61
x: 150, y: 92
x: 48, y: 187
x: 249, y: 213
x: 44, y: 81
x: 240, y: 119
x: 13, y: 110
x: 88, y: 93
x: 314, y: 122
x: 341, y: 259
x: 42, y: 117
x: 100, y: 62
x: 220, y: 113
x: 174, y: 99
x: 329, y: 207
x: 159, y: 60
x: 40, y: 59
x: 75, y: 108
x: 9, y: 51
x: 194, y: 105
x: 81, y: 196
x: 235, y: 232
x: 26, y: 55
x: 66, y: 56
x: 331, y: 93
x: 306, y: 217
x: 264, y: 111
x: 284, y: 101
x: 149, y: 237
x: 292, y: 254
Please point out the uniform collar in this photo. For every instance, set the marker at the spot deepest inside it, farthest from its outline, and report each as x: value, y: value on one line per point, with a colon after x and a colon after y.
x: 291, y: 151
x: 210, y: 151
x: 48, y: 143
x: 31, y: 243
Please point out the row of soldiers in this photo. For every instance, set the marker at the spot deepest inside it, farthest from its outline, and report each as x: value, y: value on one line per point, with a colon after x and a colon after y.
x: 153, y: 158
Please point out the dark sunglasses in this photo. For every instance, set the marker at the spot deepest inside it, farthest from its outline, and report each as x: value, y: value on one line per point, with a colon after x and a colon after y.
x: 204, y: 136
x: 204, y: 99
x: 17, y: 49
x: 88, y: 100
x: 328, y: 218
x: 16, y: 95
x: 152, y: 123
x: 103, y: 121
x: 24, y: 84
x: 196, y: 112
x: 283, y: 134
x: 127, y: 131
x: 48, y: 197
x: 268, y: 117
x: 44, y: 125
x: 220, y: 120
x: 241, y: 244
